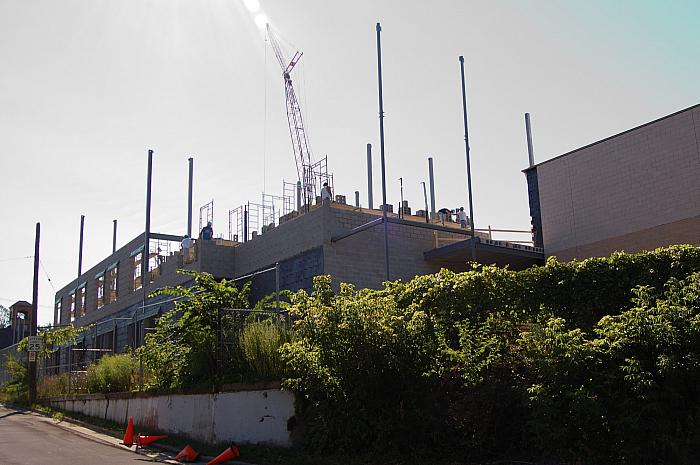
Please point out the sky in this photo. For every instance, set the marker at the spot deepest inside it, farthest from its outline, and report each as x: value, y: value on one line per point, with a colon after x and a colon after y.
x: 87, y: 87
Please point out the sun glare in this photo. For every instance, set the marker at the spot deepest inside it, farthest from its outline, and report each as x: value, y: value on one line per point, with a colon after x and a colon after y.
x: 261, y: 20
x: 252, y: 5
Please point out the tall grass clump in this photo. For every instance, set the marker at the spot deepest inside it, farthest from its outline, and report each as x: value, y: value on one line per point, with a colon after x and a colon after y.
x: 260, y: 342
x: 113, y: 373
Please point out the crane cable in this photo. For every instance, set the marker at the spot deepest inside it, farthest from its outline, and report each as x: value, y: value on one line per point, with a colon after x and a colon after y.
x: 265, y: 117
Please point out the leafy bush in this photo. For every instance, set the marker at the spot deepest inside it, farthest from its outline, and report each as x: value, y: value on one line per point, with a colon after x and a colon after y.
x: 260, y: 342
x: 112, y: 373
x: 594, y: 361
x: 365, y: 367
x: 17, y: 389
x: 184, y: 349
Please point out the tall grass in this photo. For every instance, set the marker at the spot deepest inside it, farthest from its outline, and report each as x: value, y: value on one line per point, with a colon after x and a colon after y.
x: 260, y: 342
x: 113, y: 373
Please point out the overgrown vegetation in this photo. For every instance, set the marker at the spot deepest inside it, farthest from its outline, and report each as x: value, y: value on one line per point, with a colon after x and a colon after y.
x: 196, y: 343
x: 594, y: 361
x: 17, y: 389
x: 113, y: 373
x: 260, y: 342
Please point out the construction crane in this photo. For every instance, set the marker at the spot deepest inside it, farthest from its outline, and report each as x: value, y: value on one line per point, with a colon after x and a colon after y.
x: 302, y: 152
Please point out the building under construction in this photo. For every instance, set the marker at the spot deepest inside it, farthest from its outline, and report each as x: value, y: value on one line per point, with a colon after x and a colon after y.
x: 328, y: 237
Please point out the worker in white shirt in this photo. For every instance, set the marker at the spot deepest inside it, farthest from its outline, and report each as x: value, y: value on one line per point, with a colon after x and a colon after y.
x: 326, y: 192
x: 462, y: 217
x: 186, y: 247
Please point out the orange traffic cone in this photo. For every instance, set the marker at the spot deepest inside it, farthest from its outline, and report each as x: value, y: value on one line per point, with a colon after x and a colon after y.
x: 187, y: 454
x: 129, y: 433
x: 143, y: 440
x: 229, y: 454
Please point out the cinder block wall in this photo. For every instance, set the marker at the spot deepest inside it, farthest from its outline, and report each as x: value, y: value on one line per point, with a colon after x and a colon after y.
x: 634, y: 191
x: 360, y: 259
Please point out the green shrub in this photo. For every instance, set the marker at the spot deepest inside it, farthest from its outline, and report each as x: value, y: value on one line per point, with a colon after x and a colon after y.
x: 113, y: 373
x: 17, y: 389
x: 184, y: 350
x: 260, y: 342
x: 593, y: 361
x: 365, y: 371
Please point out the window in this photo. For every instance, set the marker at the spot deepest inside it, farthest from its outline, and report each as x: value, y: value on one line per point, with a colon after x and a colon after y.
x: 137, y: 270
x: 57, y: 311
x: 81, y: 300
x: 72, y: 306
x: 100, y: 285
x: 112, y: 275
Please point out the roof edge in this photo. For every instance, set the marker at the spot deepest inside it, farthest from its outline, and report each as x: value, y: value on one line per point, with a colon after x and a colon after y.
x: 612, y: 137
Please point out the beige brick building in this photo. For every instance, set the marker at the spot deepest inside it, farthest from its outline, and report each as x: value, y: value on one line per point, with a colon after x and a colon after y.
x: 634, y: 191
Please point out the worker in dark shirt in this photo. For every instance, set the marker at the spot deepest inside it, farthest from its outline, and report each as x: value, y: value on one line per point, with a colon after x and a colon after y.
x: 207, y: 232
x: 445, y: 214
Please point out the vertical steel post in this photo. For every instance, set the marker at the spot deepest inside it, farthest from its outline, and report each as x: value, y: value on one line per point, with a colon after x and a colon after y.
x: 189, y: 196
x: 425, y: 197
x: 145, y: 279
x: 298, y: 196
x: 370, y: 195
x: 245, y: 223
x: 381, y: 148
x: 114, y: 236
x: 70, y: 368
x: 33, y: 316
x: 402, y: 214
x: 469, y: 169
x: 277, y: 286
x: 528, y: 131
x: 80, y: 247
x: 431, y: 179
x: 357, y: 199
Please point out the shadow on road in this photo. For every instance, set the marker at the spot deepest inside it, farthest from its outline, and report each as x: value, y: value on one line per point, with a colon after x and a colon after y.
x: 12, y: 413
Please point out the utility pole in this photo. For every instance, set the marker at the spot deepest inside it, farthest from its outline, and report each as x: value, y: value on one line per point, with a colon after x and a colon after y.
x: 33, y: 318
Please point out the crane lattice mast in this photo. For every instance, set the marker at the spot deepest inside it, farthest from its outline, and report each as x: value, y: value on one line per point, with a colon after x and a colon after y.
x: 302, y: 152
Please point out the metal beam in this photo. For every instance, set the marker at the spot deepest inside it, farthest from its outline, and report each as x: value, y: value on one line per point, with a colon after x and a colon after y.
x: 358, y: 229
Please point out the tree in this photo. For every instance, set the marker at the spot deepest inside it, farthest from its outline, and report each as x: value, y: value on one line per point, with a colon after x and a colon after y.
x: 186, y: 349
x: 4, y: 317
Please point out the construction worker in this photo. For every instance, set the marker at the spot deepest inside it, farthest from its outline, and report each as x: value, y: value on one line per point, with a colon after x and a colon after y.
x: 326, y: 192
x: 445, y: 215
x: 207, y: 232
x: 186, y: 248
x: 462, y: 218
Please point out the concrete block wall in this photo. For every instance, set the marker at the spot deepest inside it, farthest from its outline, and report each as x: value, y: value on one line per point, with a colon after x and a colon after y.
x: 635, y: 181
x: 360, y: 258
x: 293, y: 237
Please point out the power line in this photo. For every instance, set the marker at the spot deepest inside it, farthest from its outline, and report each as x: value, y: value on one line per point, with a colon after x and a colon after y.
x: 47, y: 275
x: 16, y: 258
x: 18, y: 300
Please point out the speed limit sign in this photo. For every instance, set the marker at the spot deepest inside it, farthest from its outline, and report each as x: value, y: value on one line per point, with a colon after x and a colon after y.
x: 34, y: 344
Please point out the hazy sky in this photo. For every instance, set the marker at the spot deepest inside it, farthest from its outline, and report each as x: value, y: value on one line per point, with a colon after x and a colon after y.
x: 88, y: 86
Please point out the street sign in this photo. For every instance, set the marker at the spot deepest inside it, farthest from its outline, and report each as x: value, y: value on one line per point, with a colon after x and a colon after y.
x: 32, y: 356
x: 34, y: 343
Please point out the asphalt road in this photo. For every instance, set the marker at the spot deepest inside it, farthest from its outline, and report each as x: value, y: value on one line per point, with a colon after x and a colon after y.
x: 28, y: 440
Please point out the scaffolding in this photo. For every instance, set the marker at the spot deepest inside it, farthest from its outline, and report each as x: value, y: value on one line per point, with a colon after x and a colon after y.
x: 320, y: 175
x: 235, y: 224
x: 206, y: 214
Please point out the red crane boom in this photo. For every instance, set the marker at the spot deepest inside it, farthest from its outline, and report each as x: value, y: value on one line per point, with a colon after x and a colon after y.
x: 300, y: 144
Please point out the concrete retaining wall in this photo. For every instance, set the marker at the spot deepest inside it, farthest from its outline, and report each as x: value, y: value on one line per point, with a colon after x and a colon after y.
x: 251, y: 416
